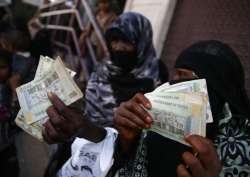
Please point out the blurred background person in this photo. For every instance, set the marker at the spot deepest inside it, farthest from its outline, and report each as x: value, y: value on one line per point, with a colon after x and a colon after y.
x: 105, y: 15
x: 8, y: 158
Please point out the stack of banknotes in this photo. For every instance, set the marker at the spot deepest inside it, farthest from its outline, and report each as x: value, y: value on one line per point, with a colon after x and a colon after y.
x: 51, y: 76
x: 180, y: 109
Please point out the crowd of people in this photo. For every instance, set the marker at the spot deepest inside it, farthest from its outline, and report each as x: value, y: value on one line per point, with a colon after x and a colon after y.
x: 113, y: 115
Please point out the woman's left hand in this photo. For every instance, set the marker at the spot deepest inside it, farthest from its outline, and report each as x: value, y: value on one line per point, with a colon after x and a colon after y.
x: 207, y: 164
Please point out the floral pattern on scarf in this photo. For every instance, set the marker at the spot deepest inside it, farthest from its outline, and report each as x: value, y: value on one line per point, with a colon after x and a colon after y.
x: 233, y: 145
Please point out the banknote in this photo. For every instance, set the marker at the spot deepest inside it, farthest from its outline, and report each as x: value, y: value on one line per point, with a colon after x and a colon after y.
x: 196, y: 100
x: 189, y: 86
x: 34, y: 129
x: 45, y: 65
x: 33, y: 97
x: 177, y: 114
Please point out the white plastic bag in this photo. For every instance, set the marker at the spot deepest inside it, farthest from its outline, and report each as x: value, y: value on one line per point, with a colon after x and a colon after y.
x: 90, y: 159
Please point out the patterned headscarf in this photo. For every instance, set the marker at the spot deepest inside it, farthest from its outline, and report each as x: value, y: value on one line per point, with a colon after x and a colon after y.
x: 100, y: 100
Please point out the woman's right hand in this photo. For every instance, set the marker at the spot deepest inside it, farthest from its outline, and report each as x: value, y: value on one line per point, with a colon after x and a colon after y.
x: 131, y: 118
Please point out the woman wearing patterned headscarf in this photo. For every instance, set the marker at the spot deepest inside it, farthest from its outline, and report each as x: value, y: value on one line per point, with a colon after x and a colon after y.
x: 132, y: 68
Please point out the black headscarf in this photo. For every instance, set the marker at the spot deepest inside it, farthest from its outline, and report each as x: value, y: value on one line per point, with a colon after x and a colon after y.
x: 221, y: 67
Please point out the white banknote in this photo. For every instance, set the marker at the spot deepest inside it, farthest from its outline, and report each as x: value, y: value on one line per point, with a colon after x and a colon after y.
x: 177, y: 114
x: 180, y: 109
x: 45, y: 65
x: 189, y: 86
x: 33, y: 97
x: 34, y: 129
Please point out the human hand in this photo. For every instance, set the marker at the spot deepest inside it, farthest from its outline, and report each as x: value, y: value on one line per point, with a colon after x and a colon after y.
x: 65, y: 122
x: 130, y: 118
x: 207, y: 164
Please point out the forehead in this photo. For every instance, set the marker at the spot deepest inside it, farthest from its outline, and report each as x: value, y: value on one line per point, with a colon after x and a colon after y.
x: 184, y: 70
x: 185, y: 73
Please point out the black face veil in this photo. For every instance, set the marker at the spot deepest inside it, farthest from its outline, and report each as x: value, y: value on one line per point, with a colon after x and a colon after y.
x: 220, y: 66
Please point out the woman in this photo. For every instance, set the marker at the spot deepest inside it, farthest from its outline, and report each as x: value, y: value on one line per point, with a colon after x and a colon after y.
x: 215, y: 62
x: 221, y: 67
x: 133, y: 67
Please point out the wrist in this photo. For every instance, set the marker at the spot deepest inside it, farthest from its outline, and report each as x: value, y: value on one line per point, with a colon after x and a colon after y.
x: 90, y: 131
x: 127, y: 146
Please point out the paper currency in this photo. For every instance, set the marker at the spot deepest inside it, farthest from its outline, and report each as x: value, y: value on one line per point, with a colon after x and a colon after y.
x: 34, y: 129
x: 178, y: 114
x: 180, y: 109
x: 189, y: 86
x: 45, y: 65
x: 33, y: 97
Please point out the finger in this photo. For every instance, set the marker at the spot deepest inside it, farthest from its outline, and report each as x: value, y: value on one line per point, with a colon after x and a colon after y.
x: 134, y: 118
x: 194, y: 164
x: 124, y: 122
x: 140, y: 111
x: 46, y: 137
x: 52, y: 133
x: 182, y: 171
x: 137, y: 109
x: 56, y: 119
x: 57, y: 103
x: 206, y: 150
x: 141, y: 99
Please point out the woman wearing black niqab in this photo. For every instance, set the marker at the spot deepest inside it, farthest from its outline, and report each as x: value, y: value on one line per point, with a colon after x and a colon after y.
x: 222, y: 69
x: 219, y: 65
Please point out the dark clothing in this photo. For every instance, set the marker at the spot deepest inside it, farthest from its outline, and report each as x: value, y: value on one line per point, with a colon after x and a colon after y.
x: 219, y: 65
x: 168, y: 157
x: 109, y: 85
x: 8, y: 162
x: 24, y: 66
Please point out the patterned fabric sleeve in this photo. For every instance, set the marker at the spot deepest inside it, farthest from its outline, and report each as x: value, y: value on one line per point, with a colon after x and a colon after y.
x: 233, y: 145
x: 137, y: 166
x: 100, y: 102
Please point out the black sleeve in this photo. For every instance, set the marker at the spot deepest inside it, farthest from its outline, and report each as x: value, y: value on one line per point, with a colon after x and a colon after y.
x: 23, y: 66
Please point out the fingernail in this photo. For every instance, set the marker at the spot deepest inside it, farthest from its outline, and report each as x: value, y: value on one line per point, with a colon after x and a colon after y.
x: 148, y: 119
x: 50, y: 94
x: 196, y: 154
x: 148, y: 105
x: 187, y: 136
